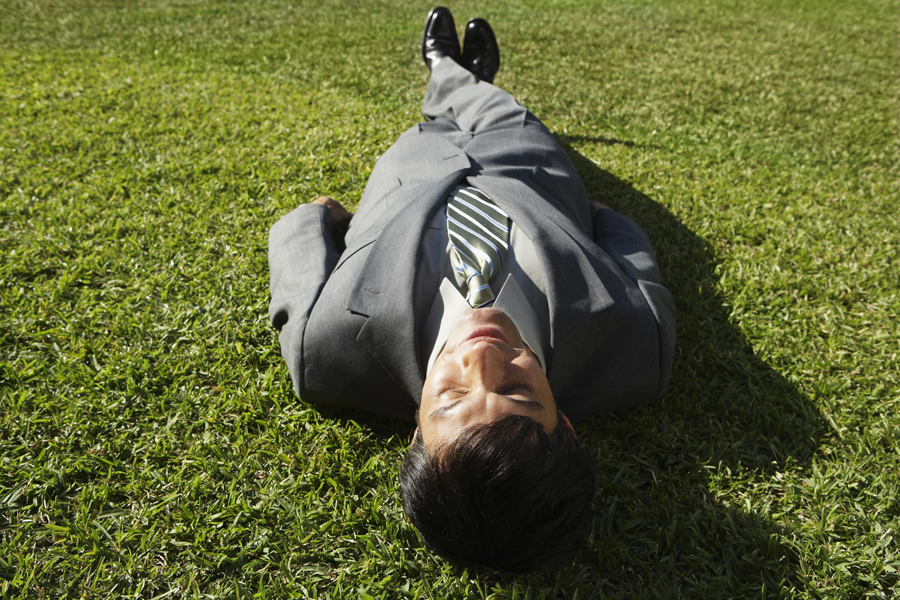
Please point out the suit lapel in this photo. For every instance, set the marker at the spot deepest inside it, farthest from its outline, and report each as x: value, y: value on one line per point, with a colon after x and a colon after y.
x: 384, y: 290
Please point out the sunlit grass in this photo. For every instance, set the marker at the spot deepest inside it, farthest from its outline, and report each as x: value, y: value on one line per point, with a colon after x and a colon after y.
x: 150, y: 443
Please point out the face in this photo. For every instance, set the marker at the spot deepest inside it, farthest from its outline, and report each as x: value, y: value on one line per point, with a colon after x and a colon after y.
x: 484, y: 373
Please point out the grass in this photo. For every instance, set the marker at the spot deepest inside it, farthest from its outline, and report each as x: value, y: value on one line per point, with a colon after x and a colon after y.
x: 150, y: 444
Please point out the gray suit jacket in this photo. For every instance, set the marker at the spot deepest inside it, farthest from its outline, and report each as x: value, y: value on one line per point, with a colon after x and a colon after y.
x: 348, y: 332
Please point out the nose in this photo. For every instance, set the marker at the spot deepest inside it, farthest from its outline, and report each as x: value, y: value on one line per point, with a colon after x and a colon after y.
x: 484, y: 361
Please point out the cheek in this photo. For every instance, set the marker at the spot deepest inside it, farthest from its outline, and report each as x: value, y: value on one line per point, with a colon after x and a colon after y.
x: 440, y: 378
x: 537, y: 379
x: 529, y: 364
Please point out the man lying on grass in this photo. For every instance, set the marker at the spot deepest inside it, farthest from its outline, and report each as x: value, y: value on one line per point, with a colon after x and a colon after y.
x: 477, y: 290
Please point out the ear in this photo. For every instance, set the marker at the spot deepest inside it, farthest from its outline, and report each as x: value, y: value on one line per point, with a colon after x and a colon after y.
x: 416, y: 433
x: 567, y: 424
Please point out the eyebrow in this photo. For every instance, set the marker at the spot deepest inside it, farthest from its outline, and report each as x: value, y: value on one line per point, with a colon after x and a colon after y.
x: 531, y: 405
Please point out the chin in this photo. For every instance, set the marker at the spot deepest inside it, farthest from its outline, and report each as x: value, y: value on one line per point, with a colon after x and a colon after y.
x: 487, y: 315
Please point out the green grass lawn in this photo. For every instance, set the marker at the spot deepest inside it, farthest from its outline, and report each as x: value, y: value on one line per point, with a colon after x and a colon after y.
x: 150, y: 443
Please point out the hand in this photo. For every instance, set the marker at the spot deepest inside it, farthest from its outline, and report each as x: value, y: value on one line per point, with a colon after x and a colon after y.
x: 340, y: 217
x: 597, y: 207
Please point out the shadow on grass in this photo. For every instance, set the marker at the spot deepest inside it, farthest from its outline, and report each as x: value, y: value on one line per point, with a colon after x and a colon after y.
x: 381, y: 428
x: 728, y: 422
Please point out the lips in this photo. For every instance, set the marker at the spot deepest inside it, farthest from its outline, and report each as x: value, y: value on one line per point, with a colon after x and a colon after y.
x: 485, y: 333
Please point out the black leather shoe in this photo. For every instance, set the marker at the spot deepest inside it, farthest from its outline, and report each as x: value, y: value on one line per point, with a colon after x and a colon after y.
x: 439, y: 39
x: 480, y: 54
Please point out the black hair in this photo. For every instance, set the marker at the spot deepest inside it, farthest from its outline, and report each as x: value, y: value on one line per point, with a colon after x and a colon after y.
x: 504, y: 495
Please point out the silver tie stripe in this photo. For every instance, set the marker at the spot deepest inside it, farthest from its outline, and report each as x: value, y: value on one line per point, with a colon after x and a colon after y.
x: 479, y: 235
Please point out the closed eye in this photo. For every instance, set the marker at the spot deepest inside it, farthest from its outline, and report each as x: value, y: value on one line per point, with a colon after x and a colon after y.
x: 451, y: 390
x: 518, y: 387
x: 532, y: 405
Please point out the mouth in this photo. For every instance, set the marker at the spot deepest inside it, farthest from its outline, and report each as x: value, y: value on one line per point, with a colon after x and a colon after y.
x: 486, y: 334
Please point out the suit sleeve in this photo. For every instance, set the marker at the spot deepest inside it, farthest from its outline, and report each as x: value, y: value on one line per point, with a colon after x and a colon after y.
x: 628, y: 245
x: 302, y: 255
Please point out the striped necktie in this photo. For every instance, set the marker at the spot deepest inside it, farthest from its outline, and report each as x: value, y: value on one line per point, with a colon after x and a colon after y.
x: 479, y: 236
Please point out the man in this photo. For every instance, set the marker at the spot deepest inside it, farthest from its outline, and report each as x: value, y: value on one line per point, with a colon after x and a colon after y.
x: 477, y: 290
